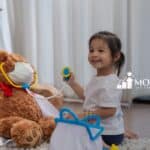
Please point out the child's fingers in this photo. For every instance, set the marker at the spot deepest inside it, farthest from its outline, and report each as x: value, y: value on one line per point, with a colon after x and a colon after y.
x: 71, y: 79
x: 67, y: 116
x: 71, y: 76
x: 131, y: 135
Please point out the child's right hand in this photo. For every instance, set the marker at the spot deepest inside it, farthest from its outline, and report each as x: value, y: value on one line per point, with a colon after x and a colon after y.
x: 71, y: 79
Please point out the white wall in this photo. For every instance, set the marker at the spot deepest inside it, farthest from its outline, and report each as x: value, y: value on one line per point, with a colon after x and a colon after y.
x: 140, y: 41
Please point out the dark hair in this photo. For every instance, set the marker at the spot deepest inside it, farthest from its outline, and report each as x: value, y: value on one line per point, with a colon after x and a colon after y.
x: 114, y: 44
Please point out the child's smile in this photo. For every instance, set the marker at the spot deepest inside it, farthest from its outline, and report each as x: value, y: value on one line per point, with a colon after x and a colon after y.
x: 100, y: 55
x: 96, y: 63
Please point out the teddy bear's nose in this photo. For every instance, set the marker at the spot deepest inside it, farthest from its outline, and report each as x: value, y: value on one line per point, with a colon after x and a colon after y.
x: 29, y: 139
x: 34, y: 133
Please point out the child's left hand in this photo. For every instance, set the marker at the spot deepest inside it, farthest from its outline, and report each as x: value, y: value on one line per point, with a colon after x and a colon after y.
x: 80, y: 115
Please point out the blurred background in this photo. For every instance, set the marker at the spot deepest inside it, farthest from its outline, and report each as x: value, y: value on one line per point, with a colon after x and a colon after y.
x: 52, y: 34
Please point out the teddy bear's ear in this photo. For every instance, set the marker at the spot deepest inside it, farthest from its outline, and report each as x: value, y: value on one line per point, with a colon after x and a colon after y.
x: 7, y: 60
x: 3, y: 56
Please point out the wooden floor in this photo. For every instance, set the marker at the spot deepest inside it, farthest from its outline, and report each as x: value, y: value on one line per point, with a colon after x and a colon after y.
x: 137, y: 117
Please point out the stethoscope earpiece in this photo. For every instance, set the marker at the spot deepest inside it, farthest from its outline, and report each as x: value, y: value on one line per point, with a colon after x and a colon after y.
x: 66, y: 73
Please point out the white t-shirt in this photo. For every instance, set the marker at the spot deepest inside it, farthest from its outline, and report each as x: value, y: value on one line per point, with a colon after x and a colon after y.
x: 102, y: 91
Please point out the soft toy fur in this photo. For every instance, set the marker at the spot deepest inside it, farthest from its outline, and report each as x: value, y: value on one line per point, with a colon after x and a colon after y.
x: 20, y: 116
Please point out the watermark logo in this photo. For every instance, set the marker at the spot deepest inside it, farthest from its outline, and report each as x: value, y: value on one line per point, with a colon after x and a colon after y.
x: 130, y: 82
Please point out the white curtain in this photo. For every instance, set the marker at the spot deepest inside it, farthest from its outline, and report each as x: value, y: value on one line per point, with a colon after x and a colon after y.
x: 52, y: 34
x: 5, y: 42
x: 139, y: 41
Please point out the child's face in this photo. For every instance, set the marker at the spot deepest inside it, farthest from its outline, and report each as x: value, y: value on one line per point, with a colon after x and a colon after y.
x: 100, y: 55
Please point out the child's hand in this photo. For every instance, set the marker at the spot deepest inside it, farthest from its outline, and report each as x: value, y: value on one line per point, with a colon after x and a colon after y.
x: 68, y: 116
x: 71, y: 79
x: 81, y: 115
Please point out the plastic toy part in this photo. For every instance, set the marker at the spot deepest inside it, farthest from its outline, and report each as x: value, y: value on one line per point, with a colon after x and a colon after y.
x: 24, y: 86
x: 82, y: 122
x: 105, y: 148
x: 114, y: 147
x: 66, y: 72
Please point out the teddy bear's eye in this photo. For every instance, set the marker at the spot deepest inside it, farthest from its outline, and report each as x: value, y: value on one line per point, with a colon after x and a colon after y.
x: 3, y: 59
x: 29, y: 139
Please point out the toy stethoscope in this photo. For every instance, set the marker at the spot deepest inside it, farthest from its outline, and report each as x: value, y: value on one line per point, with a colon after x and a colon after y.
x: 26, y: 86
x: 82, y: 122
x: 66, y: 73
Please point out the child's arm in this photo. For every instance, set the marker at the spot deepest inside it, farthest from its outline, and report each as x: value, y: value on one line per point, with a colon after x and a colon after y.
x: 102, y: 112
x: 78, y: 89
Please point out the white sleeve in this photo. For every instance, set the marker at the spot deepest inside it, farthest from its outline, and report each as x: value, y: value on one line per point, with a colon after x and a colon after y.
x: 109, y: 98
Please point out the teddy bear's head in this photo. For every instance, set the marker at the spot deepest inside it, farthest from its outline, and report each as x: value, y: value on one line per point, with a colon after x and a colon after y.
x: 15, y: 70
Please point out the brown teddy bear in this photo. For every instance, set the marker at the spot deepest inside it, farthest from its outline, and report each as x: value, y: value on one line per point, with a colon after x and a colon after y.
x: 21, y: 116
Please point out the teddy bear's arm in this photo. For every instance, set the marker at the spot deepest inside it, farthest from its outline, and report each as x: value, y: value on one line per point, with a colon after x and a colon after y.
x: 42, y: 90
x: 48, y: 91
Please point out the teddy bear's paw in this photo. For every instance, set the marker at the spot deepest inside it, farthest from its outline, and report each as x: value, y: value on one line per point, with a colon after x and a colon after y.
x: 48, y: 125
x: 6, y: 124
x: 26, y: 133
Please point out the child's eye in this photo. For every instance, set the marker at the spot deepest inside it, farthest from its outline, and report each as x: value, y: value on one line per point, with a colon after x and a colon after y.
x: 100, y: 50
x: 91, y: 50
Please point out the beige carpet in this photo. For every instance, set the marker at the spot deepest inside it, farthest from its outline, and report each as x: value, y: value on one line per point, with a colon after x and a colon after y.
x: 140, y: 144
